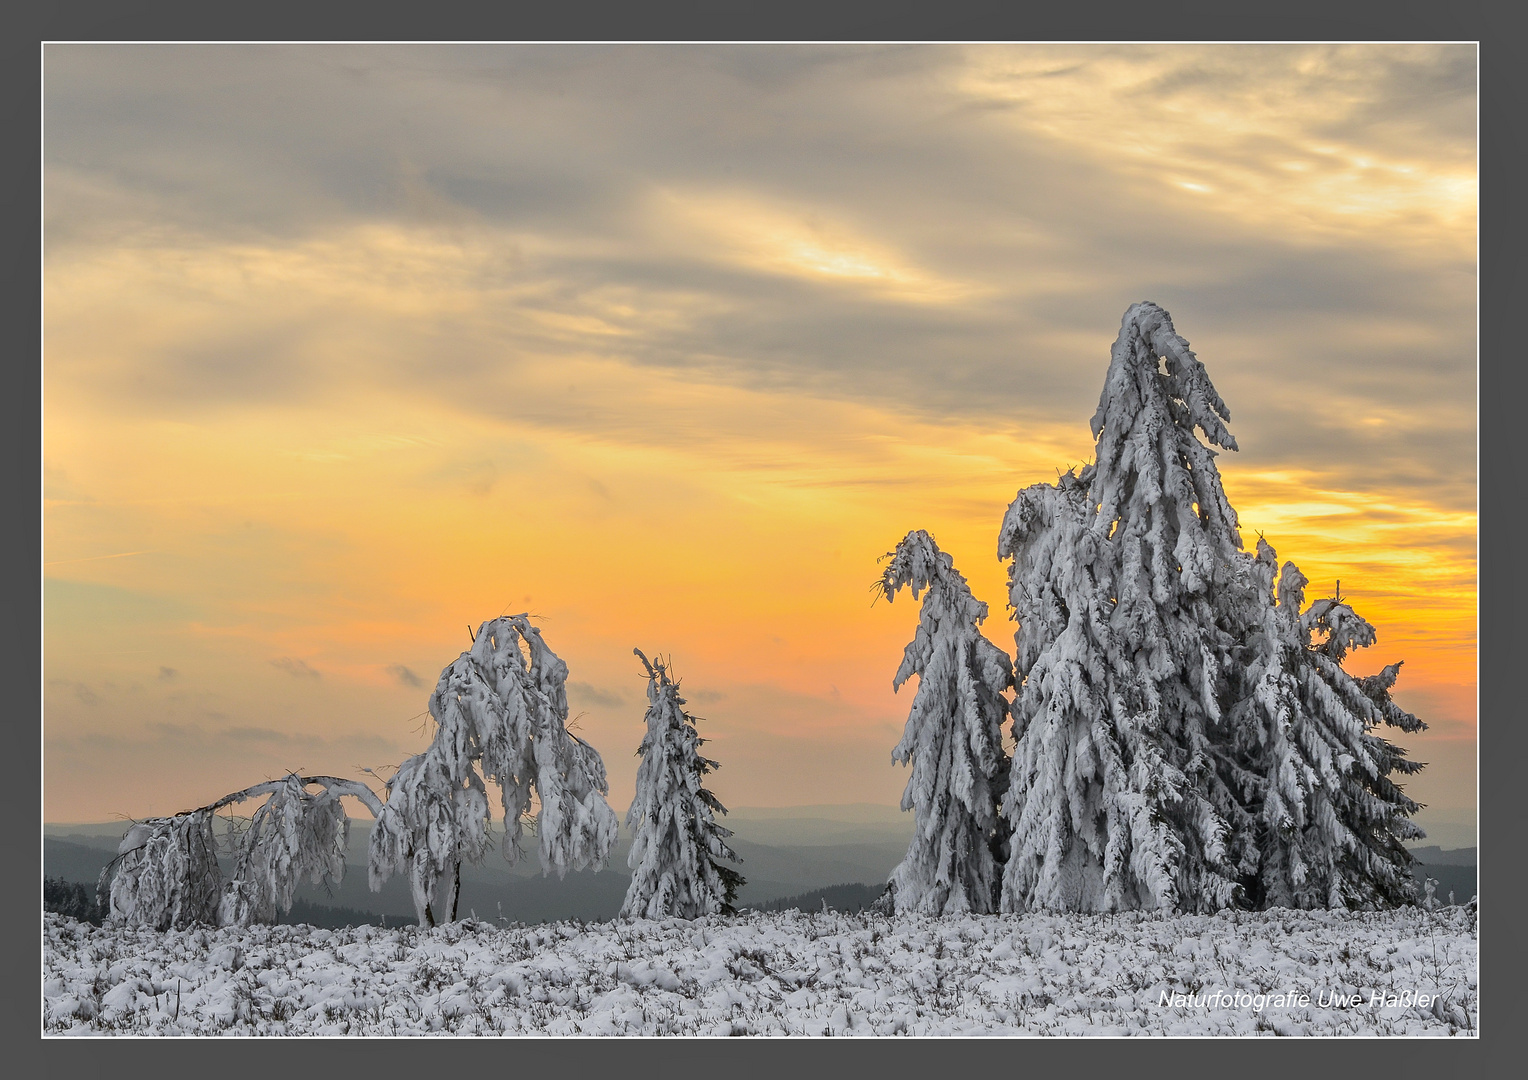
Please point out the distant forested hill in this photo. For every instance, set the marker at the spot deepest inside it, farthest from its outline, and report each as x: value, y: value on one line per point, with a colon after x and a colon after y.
x: 793, y: 857
x: 786, y: 854
x: 835, y: 897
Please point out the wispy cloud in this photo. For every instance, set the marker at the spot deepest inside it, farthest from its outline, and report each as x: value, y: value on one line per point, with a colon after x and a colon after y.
x: 298, y: 669
x: 84, y: 693
x: 405, y: 676
x: 589, y: 694
x: 1330, y: 141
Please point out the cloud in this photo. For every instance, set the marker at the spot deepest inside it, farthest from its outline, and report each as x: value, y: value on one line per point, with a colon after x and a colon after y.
x: 593, y: 695
x: 298, y: 669
x: 405, y: 676
x: 772, y: 217
x: 83, y: 692
x: 797, y: 242
x: 1330, y: 141
x: 252, y: 364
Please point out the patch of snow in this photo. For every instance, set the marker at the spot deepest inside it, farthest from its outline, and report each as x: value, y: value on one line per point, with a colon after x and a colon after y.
x: 780, y: 973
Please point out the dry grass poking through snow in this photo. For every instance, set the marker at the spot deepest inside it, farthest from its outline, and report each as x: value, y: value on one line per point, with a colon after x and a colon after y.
x: 781, y: 973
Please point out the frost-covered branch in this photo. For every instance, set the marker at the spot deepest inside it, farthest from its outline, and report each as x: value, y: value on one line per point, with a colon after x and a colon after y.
x: 166, y: 872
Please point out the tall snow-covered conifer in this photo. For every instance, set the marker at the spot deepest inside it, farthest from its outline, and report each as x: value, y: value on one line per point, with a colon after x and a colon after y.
x: 1183, y: 742
x: 1114, y: 797
x: 953, y: 738
x: 678, y: 852
x: 1331, y: 820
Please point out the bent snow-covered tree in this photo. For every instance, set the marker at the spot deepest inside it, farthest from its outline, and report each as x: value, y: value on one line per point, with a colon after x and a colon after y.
x: 678, y: 851
x: 501, y: 711
x: 166, y: 873
x: 953, y: 738
x: 1139, y: 775
x: 1332, y: 819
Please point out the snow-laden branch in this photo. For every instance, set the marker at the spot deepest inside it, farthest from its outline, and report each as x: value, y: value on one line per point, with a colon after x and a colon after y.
x: 166, y: 872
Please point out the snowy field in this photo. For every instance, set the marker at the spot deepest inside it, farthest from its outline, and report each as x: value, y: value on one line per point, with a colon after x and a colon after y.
x: 782, y: 973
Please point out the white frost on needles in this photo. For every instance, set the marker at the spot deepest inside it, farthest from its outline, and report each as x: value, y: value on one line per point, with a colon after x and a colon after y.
x: 953, y: 738
x: 678, y: 850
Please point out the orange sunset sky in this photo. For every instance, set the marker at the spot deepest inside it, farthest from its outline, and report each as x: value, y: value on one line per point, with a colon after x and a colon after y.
x: 347, y: 348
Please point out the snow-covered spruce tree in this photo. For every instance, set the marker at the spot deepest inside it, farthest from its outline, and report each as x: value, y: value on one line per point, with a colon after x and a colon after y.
x: 678, y: 851
x: 1186, y: 739
x: 1120, y: 582
x: 1331, y: 820
x: 501, y: 711
x: 953, y: 738
x: 166, y: 872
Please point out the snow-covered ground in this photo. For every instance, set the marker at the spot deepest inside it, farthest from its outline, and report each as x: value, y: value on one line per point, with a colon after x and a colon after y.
x: 782, y: 973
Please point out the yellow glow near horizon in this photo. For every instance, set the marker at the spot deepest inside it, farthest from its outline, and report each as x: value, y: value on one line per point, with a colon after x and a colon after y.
x: 748, y: 558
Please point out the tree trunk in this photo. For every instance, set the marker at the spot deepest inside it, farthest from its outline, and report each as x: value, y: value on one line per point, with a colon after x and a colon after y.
x: 421, y: 893
x: 456, y: 886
